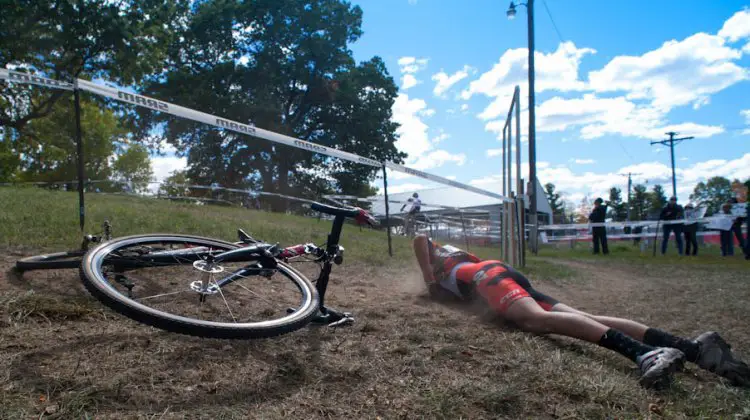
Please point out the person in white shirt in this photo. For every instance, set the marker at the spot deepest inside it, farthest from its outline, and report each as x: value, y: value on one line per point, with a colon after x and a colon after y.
x: 415, y: 206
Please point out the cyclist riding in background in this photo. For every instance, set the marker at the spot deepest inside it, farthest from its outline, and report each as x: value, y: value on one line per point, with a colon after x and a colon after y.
x: 450, y: 272
x: 409, y: 220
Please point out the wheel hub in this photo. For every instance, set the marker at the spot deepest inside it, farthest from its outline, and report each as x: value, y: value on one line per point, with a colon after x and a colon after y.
x: 207, y: 267
x: 204, y: 286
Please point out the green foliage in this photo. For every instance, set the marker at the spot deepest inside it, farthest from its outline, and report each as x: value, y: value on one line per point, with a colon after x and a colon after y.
x: 657, y: 199
x: 617, y: 209
x: 121, y: 41
x: 48, y: 148
x: 133, y: 167
x: 172, y: 186
x: 10, y: 159
x: 712, y: 194
x: 49, y: 144
x: 555, y: 202
x: 284, y: 66
x: 639, y: 206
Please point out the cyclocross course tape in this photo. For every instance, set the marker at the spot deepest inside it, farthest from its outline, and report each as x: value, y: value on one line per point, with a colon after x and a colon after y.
x: 16, y: 77
x: 191, y: 114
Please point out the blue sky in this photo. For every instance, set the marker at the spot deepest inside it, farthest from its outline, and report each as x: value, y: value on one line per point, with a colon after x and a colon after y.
x: 618, y: 75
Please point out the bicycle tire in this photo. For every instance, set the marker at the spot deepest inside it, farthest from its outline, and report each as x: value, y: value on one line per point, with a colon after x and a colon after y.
x: 96, y: 283
x: 53, y: 261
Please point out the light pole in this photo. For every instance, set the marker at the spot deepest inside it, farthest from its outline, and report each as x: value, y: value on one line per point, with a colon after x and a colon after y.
x: 532, y: 119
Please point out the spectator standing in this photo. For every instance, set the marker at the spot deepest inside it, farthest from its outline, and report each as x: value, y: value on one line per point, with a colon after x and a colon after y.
x: 725, y: 236
x: 669, y: 214
x: 415, y: 205
x: 599, y: 233
x: 737, y: 226
x: 690, y: 231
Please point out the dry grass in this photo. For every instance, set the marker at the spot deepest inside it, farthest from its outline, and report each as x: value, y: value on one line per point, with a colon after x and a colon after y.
x: 63, y: 355
x: 406, y: 357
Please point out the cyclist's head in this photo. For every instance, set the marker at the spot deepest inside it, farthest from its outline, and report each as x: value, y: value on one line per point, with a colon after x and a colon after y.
x: 415, y: 195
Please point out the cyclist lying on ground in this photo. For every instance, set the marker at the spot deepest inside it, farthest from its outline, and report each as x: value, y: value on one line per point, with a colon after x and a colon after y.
x: 449, y: 271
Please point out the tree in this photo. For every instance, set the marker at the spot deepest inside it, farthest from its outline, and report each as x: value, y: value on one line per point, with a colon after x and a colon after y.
x: 295, y: 76
x: 49, y: 144
x: 639, y: 205
x: 121, y: 41
x: 10, y: 159
x: 583, y: 210
x: 48, y: 147
x: 133, y: 168
x: 173, y: 185
x: 712, y: 194
x: 656, y: 199
x: 555, y: 202
x: 617, y: 209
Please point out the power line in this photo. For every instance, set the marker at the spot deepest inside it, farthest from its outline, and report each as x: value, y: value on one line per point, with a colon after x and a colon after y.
x: 624, y: 150
x: 671, y: 141
x: 554, y: 25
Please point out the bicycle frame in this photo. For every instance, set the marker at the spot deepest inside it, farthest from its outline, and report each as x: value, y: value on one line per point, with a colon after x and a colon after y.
x: 262, y: 255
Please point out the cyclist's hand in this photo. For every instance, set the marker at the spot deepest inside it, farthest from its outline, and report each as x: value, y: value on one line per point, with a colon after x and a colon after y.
x: 365, y: 218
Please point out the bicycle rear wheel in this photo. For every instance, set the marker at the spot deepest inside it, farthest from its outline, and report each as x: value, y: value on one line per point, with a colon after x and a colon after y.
x: 157, y: 280
x: 57, y: 260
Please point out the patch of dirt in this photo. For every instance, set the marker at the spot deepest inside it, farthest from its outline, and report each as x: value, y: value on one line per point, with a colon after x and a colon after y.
x: 64, y: 355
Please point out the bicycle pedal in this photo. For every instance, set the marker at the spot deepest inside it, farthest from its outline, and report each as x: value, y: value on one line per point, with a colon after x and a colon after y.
x: 347, y: 320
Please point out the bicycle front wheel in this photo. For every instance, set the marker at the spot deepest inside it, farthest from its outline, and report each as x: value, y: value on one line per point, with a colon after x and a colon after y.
x: 167, y: 281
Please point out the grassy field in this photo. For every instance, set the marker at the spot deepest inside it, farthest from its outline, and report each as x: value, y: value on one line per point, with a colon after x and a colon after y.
x: 64, y: 355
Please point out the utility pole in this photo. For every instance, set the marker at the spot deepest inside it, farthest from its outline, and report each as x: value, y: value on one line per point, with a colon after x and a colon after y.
x: 671, y: 141
x: 630, y: 185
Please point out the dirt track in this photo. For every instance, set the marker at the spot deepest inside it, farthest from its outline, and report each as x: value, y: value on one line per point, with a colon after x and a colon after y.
x: 406, y: 357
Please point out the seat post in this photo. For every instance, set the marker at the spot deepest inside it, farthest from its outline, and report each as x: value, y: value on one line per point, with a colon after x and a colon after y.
x: 331, y: 248
x: 335, y: 235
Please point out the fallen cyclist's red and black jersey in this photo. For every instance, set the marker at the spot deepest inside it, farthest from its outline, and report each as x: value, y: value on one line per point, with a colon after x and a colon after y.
x: 466, y: 276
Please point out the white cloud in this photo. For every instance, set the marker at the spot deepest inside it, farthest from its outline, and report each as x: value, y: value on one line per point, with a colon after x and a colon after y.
x: 584, y: 161
x: 163, y: 166
x: 408, y: 81
x: 678, y: 73
x: 445, y: 81
x: 412, y: 131
x: 494, y: 152
x: 428, y: 112
x: 440, y: 137
x: 746, y: 114
x: 554, y: 71
x: 575, y: 184
x: 437, y: 158
x: 746, y: 48
x: 603, y: 116
x: 413, y: 137
x: 737, y: 26
x: 451, y: 177
x: 464, y: 107
x: 412, y: 64
x: 657, y: 149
